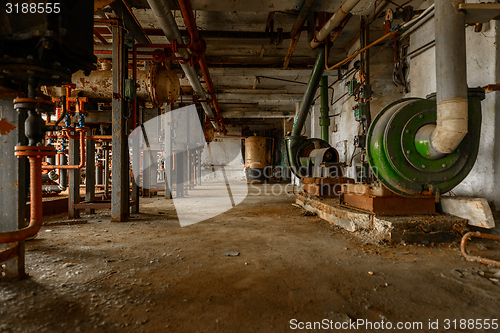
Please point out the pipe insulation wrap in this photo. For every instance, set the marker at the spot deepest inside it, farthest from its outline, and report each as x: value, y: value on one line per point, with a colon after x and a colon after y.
x: 333, y: 22
x: 451, y: 77
x: 452, y: 125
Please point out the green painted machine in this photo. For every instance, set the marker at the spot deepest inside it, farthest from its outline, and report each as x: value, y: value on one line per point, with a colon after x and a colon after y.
x: 400, y: 157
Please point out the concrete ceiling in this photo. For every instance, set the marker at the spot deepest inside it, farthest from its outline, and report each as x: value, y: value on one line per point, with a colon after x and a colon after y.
x: 247, y: 69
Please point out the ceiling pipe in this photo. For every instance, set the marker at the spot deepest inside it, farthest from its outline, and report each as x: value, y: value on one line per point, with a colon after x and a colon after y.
x: 124, y: 12
x: 167, y: 23
x: 451, y: 82
x: 333, y: 22
x: 199, y: 49
x: 312, y: 86
x: 272, y: 36
x: 305, y: 9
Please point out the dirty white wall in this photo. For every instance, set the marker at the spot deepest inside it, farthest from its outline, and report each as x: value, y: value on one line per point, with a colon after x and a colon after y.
x: 482, y: 69
x: 344, y: 127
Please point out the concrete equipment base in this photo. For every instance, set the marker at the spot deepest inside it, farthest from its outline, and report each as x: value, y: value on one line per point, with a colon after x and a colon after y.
x: 375, y: 228
x: 476, y: 210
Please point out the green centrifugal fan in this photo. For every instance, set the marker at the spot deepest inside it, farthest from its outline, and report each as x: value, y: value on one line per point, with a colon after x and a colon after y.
x: 401, y: 159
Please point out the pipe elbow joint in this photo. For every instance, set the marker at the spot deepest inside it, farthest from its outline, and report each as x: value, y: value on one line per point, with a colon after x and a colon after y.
x: 452, y: 125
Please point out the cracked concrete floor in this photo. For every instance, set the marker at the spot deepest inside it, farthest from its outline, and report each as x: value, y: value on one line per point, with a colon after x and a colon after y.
x: 151, y: 275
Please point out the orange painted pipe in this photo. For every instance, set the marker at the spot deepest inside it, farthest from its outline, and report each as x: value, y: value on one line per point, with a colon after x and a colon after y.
x: 36, y: 213
x: 71, y: 167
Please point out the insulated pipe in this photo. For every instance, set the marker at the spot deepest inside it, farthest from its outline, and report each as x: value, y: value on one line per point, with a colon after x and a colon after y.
x: 36, y: 214
x: 324, y: 120
x: 451, y: 78
x: 312, y: 86
x: 333, y: 22
x: 63, y: 174
x: 171, y: 30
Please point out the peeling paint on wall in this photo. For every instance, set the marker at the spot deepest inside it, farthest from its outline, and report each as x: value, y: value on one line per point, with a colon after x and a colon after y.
x: 6, y: 127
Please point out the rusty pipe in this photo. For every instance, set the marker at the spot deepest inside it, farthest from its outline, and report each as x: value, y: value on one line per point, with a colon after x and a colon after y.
x: 99, y: 137
x: 71, y: 167
x: 211, y: 90
x: 164, y: 16
x: 36, y: 212
x: 333, y: 22
x: 198, y: 48
x: 477, y: 258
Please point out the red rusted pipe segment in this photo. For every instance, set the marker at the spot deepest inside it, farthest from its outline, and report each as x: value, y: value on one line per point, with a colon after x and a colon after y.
x: 99, y: 137
x: 108, y: 21
x: 82, y: 154
x: 198, y: 48
x: 477, y: 258
x: 197, y: 45
x: 36, y: 210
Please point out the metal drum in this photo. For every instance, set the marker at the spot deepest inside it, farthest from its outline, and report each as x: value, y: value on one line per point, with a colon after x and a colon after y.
x: 255, y: 159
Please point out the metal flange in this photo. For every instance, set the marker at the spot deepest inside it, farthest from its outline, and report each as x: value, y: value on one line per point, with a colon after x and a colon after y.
x: 34, y: 151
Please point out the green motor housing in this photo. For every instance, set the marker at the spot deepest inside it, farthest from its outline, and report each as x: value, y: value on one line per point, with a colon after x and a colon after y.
x: 393, y: 149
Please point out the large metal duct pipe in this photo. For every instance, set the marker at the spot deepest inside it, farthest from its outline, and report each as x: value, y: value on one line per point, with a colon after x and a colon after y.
x: 296, y: 143
x: 167, y: 23
x: 312, y: 86
x: 333, y: 22
x: 451, y: 80
x: 156, y: 85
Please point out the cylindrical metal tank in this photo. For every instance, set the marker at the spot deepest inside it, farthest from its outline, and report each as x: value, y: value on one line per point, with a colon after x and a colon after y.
x: 255, y: 159
x: 156, y: 85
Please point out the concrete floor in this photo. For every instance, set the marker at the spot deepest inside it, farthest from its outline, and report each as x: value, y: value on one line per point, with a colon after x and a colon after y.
x: 151, y: 275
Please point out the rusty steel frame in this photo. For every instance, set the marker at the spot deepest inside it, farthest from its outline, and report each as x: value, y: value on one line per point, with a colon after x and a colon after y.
x: 90, y: 172
x: 477, y: 258
x: 120, y: 157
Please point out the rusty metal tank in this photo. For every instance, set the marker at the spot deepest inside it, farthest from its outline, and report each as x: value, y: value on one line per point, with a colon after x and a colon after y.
x: 156, y: 85
x: 255, y: 159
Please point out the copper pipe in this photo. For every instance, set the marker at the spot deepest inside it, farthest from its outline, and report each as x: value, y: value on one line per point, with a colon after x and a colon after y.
x: 36, y: 213
x: 477, y: 258
x: 99, y: 137
x: 82, y: 156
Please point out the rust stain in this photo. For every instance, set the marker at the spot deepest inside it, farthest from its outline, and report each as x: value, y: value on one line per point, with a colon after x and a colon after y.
x: 6, y: 127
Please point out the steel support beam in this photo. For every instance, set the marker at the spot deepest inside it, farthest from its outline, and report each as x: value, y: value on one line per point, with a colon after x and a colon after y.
x: 122, y: 10
x: 74, y: 179
x: 167, y: 153
x: 106, y: 150
x: 120, y: 158
x: 136, y: 146
x: 90, y: 172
